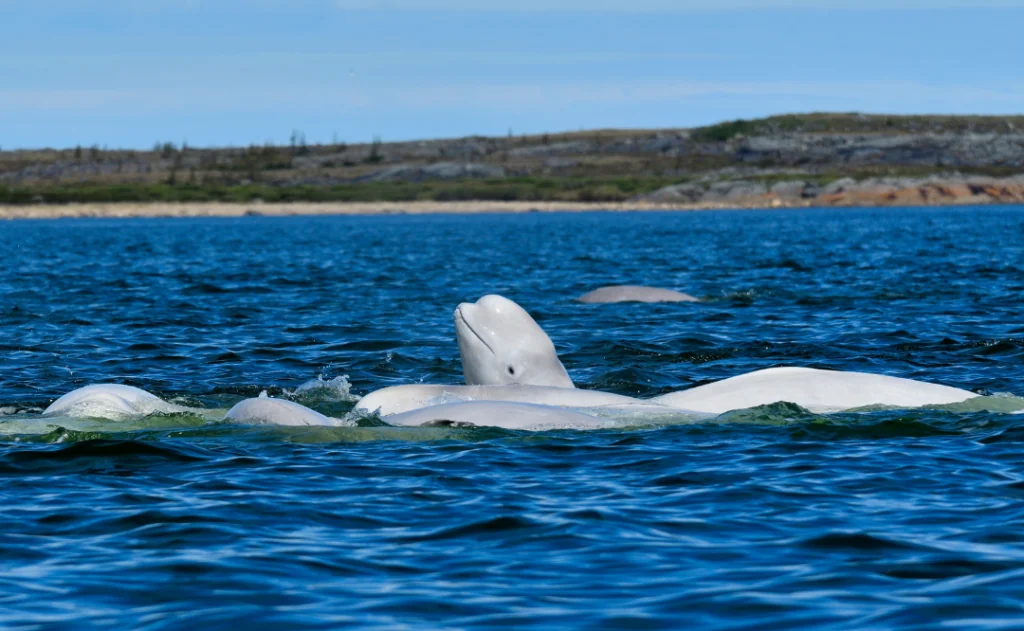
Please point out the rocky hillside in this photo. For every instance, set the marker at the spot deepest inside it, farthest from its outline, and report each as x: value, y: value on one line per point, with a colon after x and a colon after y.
x: 786, y: 160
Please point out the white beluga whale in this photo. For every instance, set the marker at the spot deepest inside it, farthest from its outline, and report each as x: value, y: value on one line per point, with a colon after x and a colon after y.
x: 820, y: 391
x: 634, y: 293
x: 267, y: 411
x: 399, y: 399
x: 501, y: 344
x: 506, y: 357
x: 110, y: 401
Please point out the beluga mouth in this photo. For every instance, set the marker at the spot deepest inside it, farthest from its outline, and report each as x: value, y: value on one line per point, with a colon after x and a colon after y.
x: 461, y: 317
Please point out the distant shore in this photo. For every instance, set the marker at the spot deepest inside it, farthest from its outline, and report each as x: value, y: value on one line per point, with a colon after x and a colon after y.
x: 792, y: 161
x: 219, y: 209
x: 223, y: 209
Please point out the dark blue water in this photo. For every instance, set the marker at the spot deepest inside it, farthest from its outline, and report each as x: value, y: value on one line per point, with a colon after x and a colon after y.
x: 773, y: 519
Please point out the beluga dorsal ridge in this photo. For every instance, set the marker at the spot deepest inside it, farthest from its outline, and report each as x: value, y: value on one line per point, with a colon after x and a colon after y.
x: 501, y: 344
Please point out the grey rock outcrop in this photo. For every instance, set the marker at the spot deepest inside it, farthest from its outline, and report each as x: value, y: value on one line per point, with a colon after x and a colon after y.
x: 789, y: 190
x: 952, y: 150
x: 734, y: 190
x: 688, y: 193
x: 554, y: 149
x: 437, y: 171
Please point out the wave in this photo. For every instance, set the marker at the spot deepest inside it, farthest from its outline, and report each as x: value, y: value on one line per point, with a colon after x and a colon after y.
x: 333, y: 398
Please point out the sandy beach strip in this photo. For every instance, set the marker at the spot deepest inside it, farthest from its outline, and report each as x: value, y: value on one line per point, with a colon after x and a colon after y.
x: 219, y: 209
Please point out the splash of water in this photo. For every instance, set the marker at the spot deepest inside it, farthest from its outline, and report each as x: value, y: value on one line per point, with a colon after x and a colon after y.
x: 320, y: 390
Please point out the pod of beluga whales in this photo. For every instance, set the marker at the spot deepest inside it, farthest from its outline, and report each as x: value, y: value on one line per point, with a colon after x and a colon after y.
x: 515, y: 380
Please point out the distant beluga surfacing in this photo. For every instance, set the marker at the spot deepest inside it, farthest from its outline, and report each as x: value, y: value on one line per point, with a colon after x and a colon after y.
x: 634, y: 293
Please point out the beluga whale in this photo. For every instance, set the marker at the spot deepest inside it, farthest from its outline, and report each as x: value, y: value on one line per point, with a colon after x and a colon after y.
x: 110, y: 401
x: 506, y: 357
x: 399, y: 399
x: 264, y: 410
x: 634, y: 293
x: 819, y: 391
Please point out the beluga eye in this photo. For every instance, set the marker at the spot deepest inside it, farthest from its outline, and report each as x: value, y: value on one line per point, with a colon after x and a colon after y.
x: 511, y: 371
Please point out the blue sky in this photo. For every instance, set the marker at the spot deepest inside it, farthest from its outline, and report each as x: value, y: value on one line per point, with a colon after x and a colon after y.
x: 126, y: 73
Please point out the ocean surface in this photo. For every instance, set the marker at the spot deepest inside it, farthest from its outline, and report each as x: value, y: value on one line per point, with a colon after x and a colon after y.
x: 771, y: 518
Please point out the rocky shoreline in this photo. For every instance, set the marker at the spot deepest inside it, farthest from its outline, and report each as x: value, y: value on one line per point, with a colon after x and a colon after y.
x: 215, y: 209
x: 731, y: 195
x: 937, y: 190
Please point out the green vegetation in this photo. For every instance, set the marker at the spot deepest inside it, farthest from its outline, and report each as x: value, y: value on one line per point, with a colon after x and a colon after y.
x: 854, y: 123
x: 724, y: 131
x: 511, y: 189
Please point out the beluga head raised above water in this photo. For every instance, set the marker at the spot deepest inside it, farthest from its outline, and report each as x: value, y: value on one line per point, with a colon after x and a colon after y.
x: 501, y: 344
